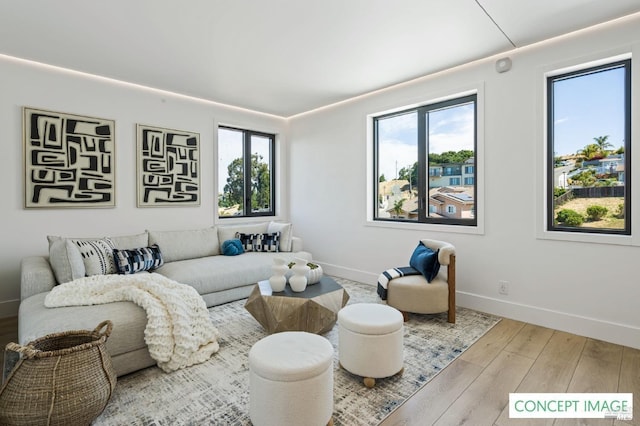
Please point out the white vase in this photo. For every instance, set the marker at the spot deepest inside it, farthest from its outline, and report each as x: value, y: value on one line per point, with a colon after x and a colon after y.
x: 298, y: 280
x: 278, y: 280
x: 314, y: 275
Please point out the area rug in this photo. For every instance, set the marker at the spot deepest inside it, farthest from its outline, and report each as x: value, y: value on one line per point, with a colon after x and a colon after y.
x: 216, y: 392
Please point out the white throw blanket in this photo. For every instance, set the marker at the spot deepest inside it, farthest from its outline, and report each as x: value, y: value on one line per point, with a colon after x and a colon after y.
x: 179, y: 331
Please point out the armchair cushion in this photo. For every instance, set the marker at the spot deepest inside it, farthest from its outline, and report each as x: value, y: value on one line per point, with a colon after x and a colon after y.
x: 426, y: 261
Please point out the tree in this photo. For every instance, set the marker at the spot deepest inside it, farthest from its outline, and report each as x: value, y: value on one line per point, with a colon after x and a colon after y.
x: 397, y: 206
x: 602, y: 143
x: 260, y: 184
x: 589, y: 151
x: 382, y: 178
x: 451, y: 157
x: 410, y: 174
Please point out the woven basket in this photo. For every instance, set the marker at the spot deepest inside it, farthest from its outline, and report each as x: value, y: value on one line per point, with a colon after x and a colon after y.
x: 60, y: 379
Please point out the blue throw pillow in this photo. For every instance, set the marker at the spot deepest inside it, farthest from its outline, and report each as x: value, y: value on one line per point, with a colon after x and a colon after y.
x: 425, y: 260
x: 232, y: 247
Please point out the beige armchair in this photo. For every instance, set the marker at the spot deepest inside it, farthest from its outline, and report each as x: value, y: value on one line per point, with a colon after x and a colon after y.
x: 412, y: 293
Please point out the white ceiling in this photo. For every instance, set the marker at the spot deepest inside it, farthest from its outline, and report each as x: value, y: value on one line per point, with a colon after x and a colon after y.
x: 282, y: 57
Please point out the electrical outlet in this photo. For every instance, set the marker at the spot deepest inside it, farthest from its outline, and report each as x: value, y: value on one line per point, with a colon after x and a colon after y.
x: 503, y: 287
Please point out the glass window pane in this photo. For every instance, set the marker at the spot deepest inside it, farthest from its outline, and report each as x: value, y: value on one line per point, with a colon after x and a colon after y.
x: 397, y: 156
x: 451, y: 161
x: 588, y: 122
x: 260, y: 174
x: 230, y: 173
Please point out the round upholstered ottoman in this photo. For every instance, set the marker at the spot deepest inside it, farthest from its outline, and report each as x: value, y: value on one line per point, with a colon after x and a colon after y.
x: 291, y: 380
x: 370, y: 341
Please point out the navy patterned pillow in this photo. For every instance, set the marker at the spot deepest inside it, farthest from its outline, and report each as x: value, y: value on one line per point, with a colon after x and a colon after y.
x: 138, y: 259
x: 246, y: 240
x: 269, y: 242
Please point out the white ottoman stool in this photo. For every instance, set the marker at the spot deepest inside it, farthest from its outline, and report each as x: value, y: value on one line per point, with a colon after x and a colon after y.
x: 370, y: 341
x: 291, y: 380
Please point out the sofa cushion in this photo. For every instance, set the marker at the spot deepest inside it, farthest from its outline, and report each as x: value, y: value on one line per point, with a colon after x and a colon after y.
x: 137, y: 260
x: 187, y: 244
x: 129, y: 321
x: 286, y: 234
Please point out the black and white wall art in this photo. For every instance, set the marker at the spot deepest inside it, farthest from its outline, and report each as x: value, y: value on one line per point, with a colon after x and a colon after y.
x: 168, y: 167
x: 69, y: 160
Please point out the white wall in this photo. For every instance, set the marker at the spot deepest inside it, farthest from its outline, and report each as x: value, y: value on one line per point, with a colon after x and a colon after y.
x: 587, y: 288
x: 23, y: 232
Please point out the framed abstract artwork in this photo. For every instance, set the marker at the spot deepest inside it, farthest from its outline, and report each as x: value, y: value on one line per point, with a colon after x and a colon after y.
x: 69, y: 160
x: 168, y: 167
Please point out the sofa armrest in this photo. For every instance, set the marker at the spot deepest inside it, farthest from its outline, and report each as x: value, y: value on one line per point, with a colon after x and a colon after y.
x: 296, y: 244
x: 36, y: 276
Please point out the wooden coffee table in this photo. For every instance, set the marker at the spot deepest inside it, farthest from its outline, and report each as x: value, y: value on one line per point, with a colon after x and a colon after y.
x: 314, y: 310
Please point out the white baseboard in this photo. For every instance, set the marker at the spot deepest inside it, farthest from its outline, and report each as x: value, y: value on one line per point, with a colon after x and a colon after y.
x: 9, y: 308
x: 621, y: 334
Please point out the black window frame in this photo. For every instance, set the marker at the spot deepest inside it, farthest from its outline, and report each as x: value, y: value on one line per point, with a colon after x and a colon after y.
x: 246, y: 148
x: 423, y: 162
x: 550, y: 161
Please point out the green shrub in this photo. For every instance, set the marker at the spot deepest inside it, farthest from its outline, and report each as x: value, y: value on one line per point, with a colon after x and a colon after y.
x: 596, y: 212
x: 620, y: 211
x: 569, y: 217
x: 558, y: 191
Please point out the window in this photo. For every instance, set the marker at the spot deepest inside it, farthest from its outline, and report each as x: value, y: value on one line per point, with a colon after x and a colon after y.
x: 419, y: 158
x: 589, y: 158
x: 245, y: 173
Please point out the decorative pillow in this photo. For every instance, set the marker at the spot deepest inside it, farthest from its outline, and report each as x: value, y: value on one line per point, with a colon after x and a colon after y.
x: 232, y: 247
x: 97, y: 256
x: 285, y: 230
x: 228, y: 232
x: 269, y: 242
x: 246, y: 240
x: 139, y: 259
x: 425, y: 261
x: 65, y: 260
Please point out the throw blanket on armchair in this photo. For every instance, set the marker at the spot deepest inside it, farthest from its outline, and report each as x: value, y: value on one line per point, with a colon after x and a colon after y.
x: 389, y: 274
x: 179, y: 332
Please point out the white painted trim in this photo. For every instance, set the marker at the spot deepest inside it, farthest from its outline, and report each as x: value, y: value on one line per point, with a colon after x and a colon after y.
x: 573, y: 64
x: 617, y: 333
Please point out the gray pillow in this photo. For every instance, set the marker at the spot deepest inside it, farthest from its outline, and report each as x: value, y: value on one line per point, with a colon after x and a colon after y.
x: 65, y: 260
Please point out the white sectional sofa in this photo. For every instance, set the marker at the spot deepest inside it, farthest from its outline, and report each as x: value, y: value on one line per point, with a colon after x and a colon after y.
x: 192, y: 257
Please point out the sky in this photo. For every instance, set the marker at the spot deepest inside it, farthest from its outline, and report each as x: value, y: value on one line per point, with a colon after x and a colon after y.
x: 587, y: 107
x: 450, y: 129
x: 230, y: 148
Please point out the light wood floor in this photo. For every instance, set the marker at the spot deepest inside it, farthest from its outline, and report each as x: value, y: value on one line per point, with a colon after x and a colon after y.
x: 512, y: 357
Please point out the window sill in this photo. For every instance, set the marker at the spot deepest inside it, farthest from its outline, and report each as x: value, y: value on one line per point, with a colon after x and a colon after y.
x: 621, y: 240
x: 473, y: 230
